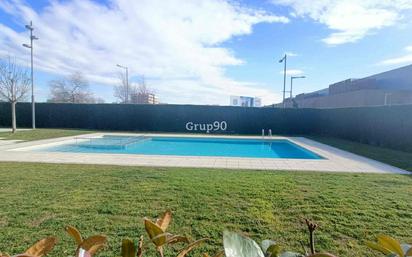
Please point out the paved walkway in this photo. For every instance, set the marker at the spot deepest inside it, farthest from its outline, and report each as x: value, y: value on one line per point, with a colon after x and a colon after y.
x: 335, y: 160
x: 9, y: 129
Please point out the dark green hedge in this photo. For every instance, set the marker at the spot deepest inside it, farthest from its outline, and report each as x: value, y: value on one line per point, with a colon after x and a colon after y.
x: 387, y: 126
x: 160, y: 118
x: 382, y: 126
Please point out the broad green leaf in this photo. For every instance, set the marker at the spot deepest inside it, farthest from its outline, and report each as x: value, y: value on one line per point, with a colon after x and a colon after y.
x: 237, y: 245
x: 273, y: 251
x: 265, y: 244
x: 378, y: 247
x: 128, y: 248
x: 42, y: 247
x: 407, y: 249
x: 391, y: 244
x: 155, y: 233
x: 190, y: 247
x: 75, y: 234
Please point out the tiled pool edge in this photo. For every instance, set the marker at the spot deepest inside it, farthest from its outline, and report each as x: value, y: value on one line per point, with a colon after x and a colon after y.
x: 336, y: 160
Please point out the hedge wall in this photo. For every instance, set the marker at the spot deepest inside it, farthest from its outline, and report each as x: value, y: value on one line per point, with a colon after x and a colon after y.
x: 160, y: 118
x: 387, y: 126
x: 383, y: 126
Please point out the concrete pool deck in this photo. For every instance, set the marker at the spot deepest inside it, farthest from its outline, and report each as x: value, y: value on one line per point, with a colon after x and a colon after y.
x: 336, y: 160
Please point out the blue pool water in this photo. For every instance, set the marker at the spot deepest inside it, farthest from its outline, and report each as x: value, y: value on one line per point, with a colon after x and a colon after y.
x: 184, y: 146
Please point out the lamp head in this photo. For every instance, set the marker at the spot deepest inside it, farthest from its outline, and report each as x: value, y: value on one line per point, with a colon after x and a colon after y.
x: 298, y: 77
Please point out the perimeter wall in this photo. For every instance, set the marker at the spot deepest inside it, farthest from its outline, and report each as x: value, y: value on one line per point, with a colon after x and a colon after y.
x: 388, y: 126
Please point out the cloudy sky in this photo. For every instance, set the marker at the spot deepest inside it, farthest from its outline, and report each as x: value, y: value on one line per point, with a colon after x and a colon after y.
x: 203, y: 51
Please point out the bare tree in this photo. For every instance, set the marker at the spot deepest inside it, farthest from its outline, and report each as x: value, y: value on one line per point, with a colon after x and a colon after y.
x: 72, y: 89
x: 14, y: 86
x: 124, y: 90
x: 143, y: 89
x: 141, y: 93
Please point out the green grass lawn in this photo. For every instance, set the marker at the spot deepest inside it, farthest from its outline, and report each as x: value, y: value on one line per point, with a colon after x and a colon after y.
x: 38, y: 134
x: 396, y: 158
x: 37, y: 200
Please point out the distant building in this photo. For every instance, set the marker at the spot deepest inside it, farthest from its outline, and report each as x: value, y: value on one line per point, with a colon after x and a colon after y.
x: 245, y: 101
x: 141, y: 98
x: 393, y: 87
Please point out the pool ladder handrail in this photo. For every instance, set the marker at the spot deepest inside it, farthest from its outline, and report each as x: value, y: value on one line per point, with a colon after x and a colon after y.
x: 269, y: 133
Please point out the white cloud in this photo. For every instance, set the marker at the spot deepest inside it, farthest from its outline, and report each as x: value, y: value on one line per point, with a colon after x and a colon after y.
x: 406, y: 59
x: 165, y: 40
x: 350, y: 20
x: 292, y: 54
x: 292, y: 72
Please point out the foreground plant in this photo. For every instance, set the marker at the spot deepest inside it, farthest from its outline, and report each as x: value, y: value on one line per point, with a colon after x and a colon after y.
x: 390, y: 247
x: 89, y: 246
x: 160, y: 238
x: 39, y: 249
x: 130, y: 250
x: 237, y: 245
x: 157, y: 232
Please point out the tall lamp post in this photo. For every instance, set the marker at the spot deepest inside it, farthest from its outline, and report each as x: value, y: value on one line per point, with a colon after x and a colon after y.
x: 127, y: 81
x: 291, y: 83
x: 33, y: 108
x: 284, y: 59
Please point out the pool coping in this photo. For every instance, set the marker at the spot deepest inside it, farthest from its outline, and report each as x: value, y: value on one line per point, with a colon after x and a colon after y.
x: 335, y: 160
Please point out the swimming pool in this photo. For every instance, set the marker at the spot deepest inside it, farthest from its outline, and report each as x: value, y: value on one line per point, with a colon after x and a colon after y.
x: 187, y: 146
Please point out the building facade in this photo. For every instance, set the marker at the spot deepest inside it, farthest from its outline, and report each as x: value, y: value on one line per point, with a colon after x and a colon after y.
x: 245, y: 101
x: 393, y: 87
x: 140, y: 98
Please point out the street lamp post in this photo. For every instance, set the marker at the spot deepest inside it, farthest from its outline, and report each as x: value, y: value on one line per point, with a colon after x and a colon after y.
x: 291, y: 83
x: 284, y: 59
x: 127, y: 81
x: 33, y: 108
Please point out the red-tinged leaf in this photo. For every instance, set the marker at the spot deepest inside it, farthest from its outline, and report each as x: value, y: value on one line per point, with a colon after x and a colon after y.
x: 93, y: 242
x: 190, y: 247
x: 156, y: 234
x: 128, y: 248
x: 75, y: 234
x: 42, y: 247
x: 164, y: 221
